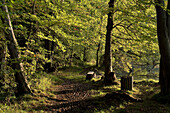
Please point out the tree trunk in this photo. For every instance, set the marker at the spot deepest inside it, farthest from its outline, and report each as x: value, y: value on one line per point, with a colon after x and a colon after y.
x: 51, y: 56
x: 71, y: 56
x: 108, y: 50
x: 47, y: 65
x: 84, y: 54
x: 164, y: 47
x: 22, y: 85
x: 2, y: 62
x: 97, y: 55
x: 99, y: 45
x: 49, y: 46
x: 2, y: 55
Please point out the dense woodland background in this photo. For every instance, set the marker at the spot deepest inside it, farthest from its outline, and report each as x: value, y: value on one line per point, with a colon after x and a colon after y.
x: 53, y: 38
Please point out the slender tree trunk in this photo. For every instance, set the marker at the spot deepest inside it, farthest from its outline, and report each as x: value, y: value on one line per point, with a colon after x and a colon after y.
x: 164, y: 46
x: 2, y: 62
x: 71, y: 54
x: 3, y: 58
x: 108, y: 50
x: 99, y: 45
x: 47, y: 65
x: 84, y: 54
x: 97, y: 55
x: 49, y: 46
x: 51, y: 54
x: 2, y: 54
x: 22, y: 85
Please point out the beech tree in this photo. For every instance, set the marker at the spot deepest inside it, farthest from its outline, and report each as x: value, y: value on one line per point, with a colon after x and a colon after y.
x: 109, y: 78
x: 134, y: 28
x: 163, y: 32
x: 22, y: 85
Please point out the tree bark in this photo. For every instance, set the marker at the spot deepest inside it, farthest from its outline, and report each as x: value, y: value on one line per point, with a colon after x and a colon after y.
x: 97, y: 55
x: 84, y: 54
x: 2, y: 55
x: 99, y: 45
x: 108, y: 50
x: 164, y: 46
x: 47, y: 65
x: 2, y: 62
x: 71, y: 54
x: 49, y: 46
x: 22, y: 85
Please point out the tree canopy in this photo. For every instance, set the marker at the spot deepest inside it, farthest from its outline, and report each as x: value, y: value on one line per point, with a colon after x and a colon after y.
x: 38, y: 38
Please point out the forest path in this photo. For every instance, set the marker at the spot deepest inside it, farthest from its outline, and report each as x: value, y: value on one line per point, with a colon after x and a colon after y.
x: 77, y: 96
x: 74, y: 94
x: 71, y: 96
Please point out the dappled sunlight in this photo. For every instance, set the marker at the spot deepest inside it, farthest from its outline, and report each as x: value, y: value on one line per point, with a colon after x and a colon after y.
x: 84, y: 56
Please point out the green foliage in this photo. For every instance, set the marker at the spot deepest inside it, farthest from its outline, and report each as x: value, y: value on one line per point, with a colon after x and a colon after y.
x: 66, y: 33
x: 72, y: 26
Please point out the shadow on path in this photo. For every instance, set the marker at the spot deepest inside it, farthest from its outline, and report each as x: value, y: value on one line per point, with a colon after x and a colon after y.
x: 75, y: 97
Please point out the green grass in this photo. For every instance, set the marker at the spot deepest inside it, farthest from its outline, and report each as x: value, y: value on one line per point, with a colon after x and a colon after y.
x: 55, y: 79
x: 43, y: 83
x: 99, y: 93
x: 75, y: 78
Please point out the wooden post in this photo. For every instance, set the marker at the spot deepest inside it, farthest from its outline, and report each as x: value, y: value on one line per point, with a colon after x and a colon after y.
x: 127, y: 83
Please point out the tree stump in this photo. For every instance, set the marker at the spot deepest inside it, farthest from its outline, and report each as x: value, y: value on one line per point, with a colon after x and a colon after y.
x: 90, y: 75
x: 127, y: 83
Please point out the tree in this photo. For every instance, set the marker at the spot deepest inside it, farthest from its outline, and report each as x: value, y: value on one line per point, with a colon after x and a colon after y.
x: 22, y: 85
x: 2, y: 58
x: 109, y: 78
x: 163, y: 33
x: 134, y: 27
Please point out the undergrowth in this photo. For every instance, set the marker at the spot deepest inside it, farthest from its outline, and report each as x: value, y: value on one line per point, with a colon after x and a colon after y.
x: 40, y: 83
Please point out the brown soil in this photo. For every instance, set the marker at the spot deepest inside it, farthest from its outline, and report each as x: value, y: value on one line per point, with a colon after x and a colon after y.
x: 70, y: 97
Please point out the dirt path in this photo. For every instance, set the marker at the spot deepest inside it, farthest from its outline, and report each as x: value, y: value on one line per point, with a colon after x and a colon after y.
x: 70, y: 97
x: 76, y: 97
x: 73, y: 94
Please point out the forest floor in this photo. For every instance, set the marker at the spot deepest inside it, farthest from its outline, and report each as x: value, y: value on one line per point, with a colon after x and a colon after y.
x: 73, y: 94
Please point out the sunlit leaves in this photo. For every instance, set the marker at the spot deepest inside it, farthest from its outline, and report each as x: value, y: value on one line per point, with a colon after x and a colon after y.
x: 135, y: 31
x: 73, y: 25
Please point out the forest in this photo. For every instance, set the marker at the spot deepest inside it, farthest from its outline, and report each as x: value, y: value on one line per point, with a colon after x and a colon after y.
x: 85, y: 56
